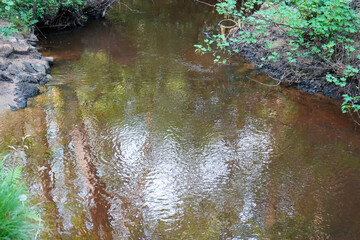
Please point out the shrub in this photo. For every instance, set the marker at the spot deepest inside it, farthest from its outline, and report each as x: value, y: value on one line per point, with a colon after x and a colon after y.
x: 322, y: 31
x: 23, y: 14
x: 18, y: 219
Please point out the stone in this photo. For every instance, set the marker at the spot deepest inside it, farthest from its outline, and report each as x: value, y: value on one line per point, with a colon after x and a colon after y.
x: 47, y: 67
x: 28, y: 67
x: 32, y: 48
x: 21, y: 49
x: 4, y: 64
x: 38, y: 67
x: 26, y: 90
x: 12, y: 40
x: 23, y: 68
x: 33, y: 38
x: 6, y: 50
x: 50, y: 60
x: 44, y: 79
x: 28, y: 78
x: 21, y: 103
x: 13, y: 108
x: 5, y: 77
x: 36, y: 55
x: 13, y: 69
x: 49, y: 77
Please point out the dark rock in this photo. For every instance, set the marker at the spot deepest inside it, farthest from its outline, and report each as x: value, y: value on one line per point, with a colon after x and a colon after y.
x: 24, y: 66
x: 50, y: 60
x: 26, y: 90
x: 32, y: 78
x: 5, y: 77
x: 13, y: 108
x: 32, y: 38
x: 13, y: 69
x: 47, y: 67
x: 6, y: 50
x: 40, y: 68
x: 44, y: 79
x: 28, y: 67
x: 32, y: 49
x: 26, y: 78
x: 36, y: 55
x: 49, y: 77
x: 22, y: 103
x: 3, y: 64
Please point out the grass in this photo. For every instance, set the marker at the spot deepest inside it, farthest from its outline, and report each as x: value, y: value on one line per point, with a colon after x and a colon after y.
x: 18, y: 219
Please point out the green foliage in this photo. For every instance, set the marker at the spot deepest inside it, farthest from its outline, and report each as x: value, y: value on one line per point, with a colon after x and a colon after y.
x: 337, y: 81
x: 325, y: 29
x: 350, y: 104
x: 17, y: 218
x: 23, y: 14
x: 6, y: 31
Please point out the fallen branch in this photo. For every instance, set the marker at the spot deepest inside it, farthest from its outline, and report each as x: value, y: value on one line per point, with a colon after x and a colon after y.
x: 265, y: 84
x: 208, y: 4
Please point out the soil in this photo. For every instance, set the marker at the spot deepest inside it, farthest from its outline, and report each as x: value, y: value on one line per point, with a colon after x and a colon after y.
x: 306, y: 73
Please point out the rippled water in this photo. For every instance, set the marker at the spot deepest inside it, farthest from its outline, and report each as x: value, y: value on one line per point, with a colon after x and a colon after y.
x: 140, y: 138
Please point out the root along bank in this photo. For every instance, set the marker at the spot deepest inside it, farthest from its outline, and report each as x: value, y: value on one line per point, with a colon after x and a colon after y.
x: 313, y: 44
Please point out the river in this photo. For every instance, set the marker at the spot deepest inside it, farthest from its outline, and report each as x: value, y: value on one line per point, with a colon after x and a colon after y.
x: 138, y: 137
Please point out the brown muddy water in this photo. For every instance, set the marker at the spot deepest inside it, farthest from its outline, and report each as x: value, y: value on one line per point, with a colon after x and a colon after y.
x: 140, y: 138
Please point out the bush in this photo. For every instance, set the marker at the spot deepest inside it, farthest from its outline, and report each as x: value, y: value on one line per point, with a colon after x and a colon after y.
x: 23, y: 14
x: 18, y: 219
x: 322, y: 33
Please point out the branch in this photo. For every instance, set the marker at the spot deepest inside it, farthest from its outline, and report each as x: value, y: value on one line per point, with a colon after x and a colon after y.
x: 265, y: 84
x: 208, y: 4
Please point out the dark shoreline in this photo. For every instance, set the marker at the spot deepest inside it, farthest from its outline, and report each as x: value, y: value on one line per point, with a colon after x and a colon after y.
x: 320, y: 86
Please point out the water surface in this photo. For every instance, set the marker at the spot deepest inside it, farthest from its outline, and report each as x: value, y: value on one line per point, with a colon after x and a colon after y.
x: 140, y: 138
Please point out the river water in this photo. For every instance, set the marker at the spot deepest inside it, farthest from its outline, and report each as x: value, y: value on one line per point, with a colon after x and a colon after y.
x: 138, y: 137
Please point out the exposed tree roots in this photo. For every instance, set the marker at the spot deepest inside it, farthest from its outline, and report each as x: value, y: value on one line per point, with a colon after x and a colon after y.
x: 71, y: 17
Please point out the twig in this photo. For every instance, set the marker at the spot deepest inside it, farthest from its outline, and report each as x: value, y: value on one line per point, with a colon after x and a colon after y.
x: 40, y: 31
x: 265, y: 84
x: 228, y: 20
x: 358, y: 123
x: 208, y: 4
x: 131, y: 9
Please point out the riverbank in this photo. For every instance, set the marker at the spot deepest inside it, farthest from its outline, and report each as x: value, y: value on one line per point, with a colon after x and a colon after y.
x: 117, y: 147
x: 314, y: 47
x: 307, y: 74
x: 22, y: 70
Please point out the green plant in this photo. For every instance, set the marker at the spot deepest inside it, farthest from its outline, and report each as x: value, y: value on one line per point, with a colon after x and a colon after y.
x: 18, y: 218
x: 6, y: 31
x: 325, y: 31
x: 24, y: 14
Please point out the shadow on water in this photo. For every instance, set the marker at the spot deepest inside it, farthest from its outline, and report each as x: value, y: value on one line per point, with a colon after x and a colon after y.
x: 140, y: 138
x: 97, y: 36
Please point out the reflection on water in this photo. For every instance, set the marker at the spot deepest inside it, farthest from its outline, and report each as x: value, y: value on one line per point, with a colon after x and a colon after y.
x: 139, y: 138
